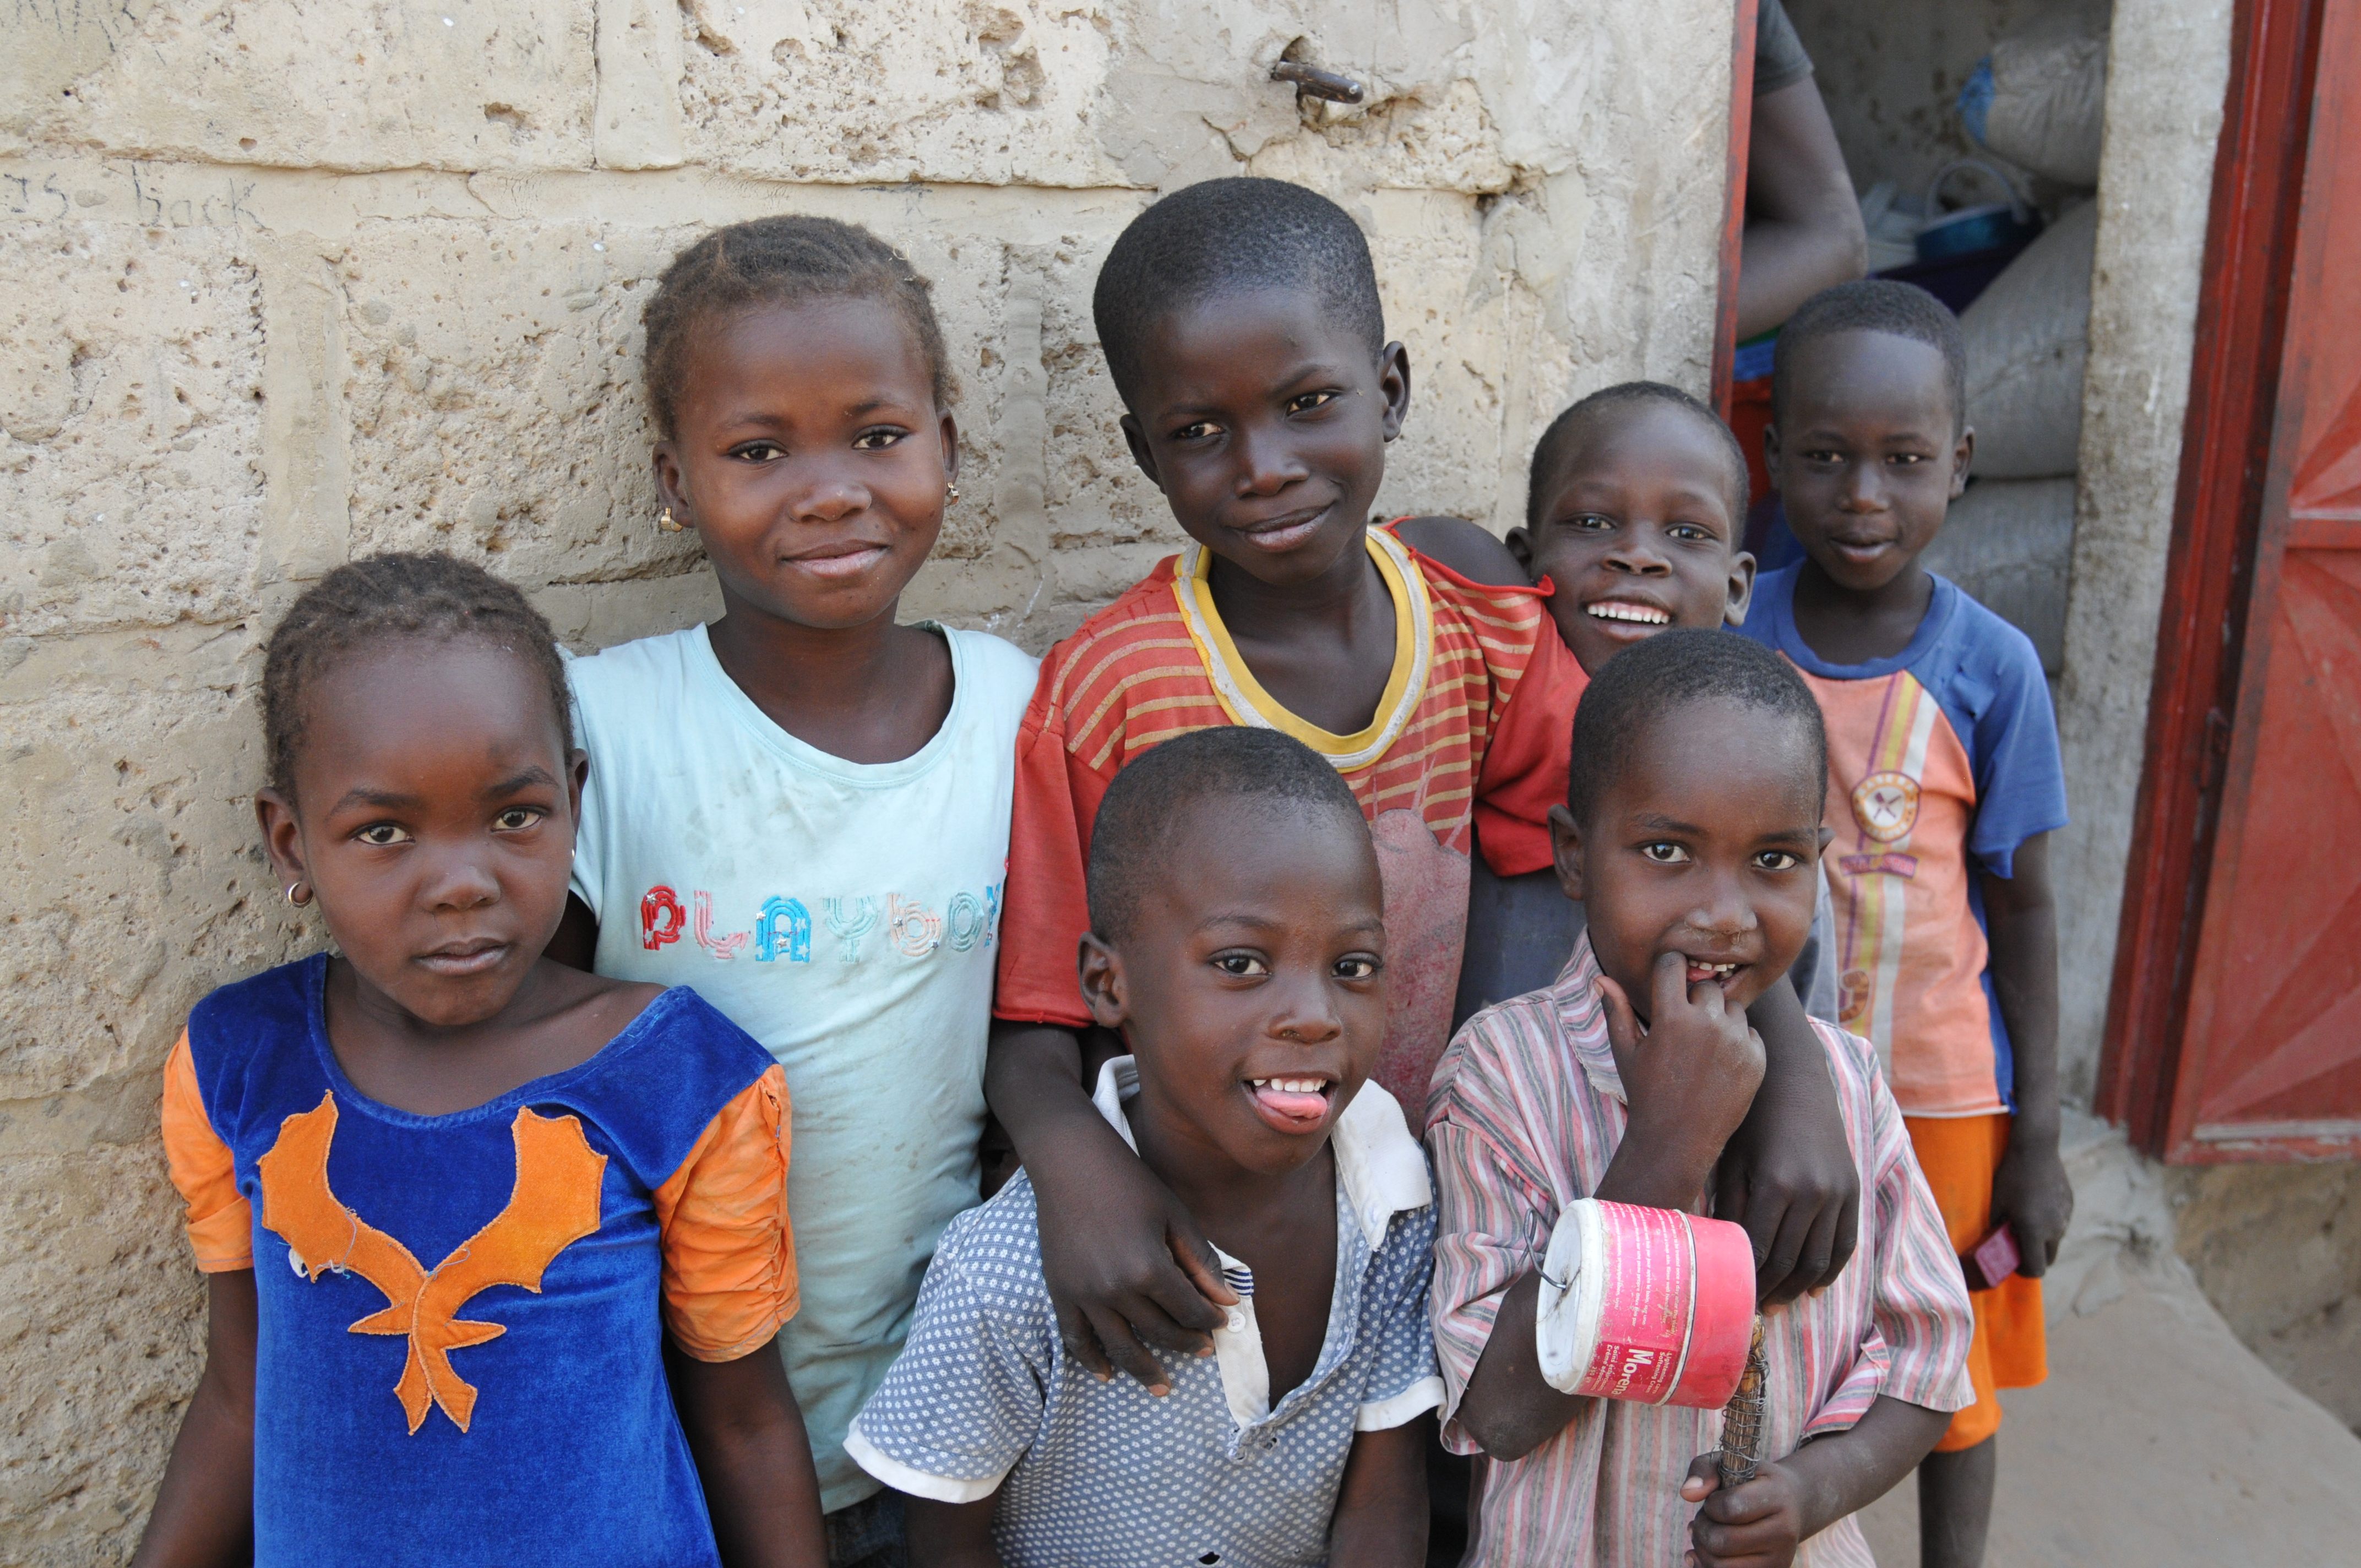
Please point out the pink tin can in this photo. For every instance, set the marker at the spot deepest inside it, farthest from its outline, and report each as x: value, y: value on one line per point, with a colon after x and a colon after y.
x: 1661, y: 1305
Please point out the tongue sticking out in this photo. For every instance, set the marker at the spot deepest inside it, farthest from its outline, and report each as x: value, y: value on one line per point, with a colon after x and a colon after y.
x: 1295, y: 1106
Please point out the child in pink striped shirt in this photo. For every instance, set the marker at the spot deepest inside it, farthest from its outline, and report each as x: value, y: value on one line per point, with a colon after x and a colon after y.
x: 1693, y: 833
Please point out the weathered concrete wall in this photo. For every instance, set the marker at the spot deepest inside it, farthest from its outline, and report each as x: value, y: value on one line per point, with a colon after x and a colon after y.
x: 2169, y: 64
x: 293, y: 280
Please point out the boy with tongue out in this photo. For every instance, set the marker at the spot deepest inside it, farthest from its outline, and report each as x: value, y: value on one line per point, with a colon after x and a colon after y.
x: 1237, y: 946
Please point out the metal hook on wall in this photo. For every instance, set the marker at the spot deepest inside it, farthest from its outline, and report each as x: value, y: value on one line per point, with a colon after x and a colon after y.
x: 1311, y: 81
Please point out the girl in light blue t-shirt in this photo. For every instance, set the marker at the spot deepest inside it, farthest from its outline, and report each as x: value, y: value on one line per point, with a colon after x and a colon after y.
x: 801, y: 809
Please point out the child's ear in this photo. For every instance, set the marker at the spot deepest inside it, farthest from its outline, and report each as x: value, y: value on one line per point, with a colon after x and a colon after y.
x: 282, y: 836
x: 1565, y: 850
x: 1393, y: 385
x: 1134, y: 435
x: 1771, y: 453
x: 1963, y: 457
x: 1102, y: 984
x: 1520, y: 541
x: 668, y: 491
x: 1742, y: 588
x: 949, y: 430
x: 577, y: 773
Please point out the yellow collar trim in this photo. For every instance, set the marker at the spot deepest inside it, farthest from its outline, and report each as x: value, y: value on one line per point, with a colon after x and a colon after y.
x: 1243, y: 697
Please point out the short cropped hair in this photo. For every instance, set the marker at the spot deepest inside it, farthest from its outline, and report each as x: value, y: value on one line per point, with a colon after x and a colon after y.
x: 385, y: 599
x: 1875, y: 304
x: 781, y: 260
x: 1549, y: 452
x: 1232, y: 236
x: 1674, y: 670
x: 1149, y: 795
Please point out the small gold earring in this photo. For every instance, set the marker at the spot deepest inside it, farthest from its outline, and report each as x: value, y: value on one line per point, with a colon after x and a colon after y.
x: 951, y: 494
x: 666, y: 522
x: 298, y: 895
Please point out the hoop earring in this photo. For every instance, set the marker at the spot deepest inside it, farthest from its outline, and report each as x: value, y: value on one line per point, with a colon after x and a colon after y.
x: 298, y: 895
x: 667, y: 523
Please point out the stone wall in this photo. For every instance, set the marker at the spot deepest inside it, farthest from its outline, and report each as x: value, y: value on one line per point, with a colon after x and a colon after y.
x: 291, y: 280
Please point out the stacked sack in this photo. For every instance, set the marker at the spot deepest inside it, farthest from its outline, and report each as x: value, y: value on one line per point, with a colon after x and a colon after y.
x: 2036, y: 102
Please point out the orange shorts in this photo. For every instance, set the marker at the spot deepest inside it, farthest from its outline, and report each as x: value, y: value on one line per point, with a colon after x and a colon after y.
x: 2011, y: 1349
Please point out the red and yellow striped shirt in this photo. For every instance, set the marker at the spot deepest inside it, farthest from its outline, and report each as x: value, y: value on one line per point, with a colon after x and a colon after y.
x: 1475, y: 722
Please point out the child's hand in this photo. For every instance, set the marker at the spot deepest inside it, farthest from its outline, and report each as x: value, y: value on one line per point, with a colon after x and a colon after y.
x: 1691, y: 1084
x: 1124, y: 1262
x: 1758, y: 1524
x: 2032, y: 1195
x: 1788, y: 1174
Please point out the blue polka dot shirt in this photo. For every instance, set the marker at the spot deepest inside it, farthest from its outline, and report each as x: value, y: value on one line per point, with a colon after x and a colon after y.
x: 984, y: 1399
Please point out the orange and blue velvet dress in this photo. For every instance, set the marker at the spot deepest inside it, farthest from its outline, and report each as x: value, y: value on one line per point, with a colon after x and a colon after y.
x: 460, y: 1342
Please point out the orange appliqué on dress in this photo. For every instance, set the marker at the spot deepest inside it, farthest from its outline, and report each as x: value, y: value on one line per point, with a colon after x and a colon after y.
x: 554, y: 1204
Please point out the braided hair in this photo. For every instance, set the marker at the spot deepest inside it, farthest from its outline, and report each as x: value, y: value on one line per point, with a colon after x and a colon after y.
x: 773, y: 261
x: 385, y: 597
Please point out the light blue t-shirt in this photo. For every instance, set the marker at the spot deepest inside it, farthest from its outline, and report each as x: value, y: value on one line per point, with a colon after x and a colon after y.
x: 985, y: 1398
x: 846, y: 915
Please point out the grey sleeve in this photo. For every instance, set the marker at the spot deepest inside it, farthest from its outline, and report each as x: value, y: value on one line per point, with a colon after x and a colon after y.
x: 1815, y: 974
x: 1779, y: 57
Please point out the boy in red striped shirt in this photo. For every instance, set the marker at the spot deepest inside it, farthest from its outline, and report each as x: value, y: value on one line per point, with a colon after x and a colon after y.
x: 1242, y: 327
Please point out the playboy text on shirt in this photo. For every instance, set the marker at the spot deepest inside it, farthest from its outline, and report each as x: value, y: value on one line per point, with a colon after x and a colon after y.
x: 862, y: 927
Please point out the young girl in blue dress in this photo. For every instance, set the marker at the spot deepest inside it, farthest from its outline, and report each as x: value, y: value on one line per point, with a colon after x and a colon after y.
x: 496, y: 1249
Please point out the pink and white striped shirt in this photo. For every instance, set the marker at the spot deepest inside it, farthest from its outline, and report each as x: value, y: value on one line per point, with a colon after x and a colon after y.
x: 1527, y: 1111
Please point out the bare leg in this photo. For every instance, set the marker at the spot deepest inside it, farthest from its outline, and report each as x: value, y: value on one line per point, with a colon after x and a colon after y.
x: 1955, y: 1499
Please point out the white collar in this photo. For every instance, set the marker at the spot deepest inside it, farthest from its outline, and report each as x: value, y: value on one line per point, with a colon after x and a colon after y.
x: 1379, y: 1164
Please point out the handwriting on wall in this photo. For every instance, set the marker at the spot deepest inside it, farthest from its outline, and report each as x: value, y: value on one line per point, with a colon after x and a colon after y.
x: 152, y: 195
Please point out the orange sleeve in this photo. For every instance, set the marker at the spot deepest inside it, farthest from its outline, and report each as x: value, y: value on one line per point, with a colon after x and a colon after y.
x: 220, y: 1220
x: 729, y: 1249
x: 1524, y: 768
x: 1045, y: 908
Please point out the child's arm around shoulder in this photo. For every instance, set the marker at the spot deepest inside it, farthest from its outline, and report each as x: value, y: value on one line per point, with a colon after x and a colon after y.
x: 1789, y: 1176
x: 1465, y: 548
x: 1124, y: 1260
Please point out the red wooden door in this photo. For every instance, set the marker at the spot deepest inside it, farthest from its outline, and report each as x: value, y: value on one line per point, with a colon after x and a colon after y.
x: 2269, y: 1064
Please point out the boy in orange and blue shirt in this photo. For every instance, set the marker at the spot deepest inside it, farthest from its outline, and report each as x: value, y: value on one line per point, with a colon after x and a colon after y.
x: 1944, y: 783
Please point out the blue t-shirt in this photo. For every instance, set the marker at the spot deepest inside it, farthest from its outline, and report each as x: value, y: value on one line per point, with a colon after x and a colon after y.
x: 513, y: 1408
x: 984, y: 1397
x: 1942, y: 760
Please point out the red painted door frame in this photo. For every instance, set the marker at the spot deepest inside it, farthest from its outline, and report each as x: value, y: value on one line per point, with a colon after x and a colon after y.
x: 1733, y: 217
x: 2227, y: 450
